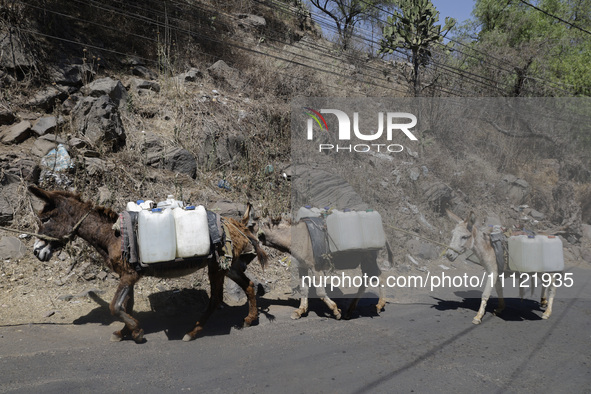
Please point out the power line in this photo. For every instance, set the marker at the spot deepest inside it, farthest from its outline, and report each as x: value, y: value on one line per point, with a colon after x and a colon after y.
x: 144, y: 19
x: 555, y: 17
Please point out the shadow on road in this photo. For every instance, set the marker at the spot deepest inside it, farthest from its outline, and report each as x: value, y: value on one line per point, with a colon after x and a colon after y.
x: 516, y: 309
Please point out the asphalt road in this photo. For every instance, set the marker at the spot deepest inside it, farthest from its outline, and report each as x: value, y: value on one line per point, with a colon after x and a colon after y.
x: 422, y: 342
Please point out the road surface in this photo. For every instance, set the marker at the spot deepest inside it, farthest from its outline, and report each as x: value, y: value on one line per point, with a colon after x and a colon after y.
x: 422, y: 342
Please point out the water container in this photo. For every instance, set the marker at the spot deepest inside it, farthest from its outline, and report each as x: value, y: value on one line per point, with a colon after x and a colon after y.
x: 192, y: 231
x: 170, y: 202
x: 525, y: 253
x: 133, y: 206
x: 552, y: 257
x: 343, y: 231
x: 307, y: 212
x: 156, y: 235
x: 372, y: 229
x: 146, y: 204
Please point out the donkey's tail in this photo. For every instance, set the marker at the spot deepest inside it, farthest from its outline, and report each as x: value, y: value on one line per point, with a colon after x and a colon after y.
x: 261, y: 254
x: 390, y: 254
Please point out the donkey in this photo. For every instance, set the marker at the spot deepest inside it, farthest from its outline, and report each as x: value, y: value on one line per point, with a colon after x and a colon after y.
x: 293, y: 238
x: 466, y: 236
x: 65, y: 216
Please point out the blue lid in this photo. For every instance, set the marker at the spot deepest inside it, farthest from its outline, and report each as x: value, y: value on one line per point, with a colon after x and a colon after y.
x: 307, y: 206
x: 138, y: 202
x: 190, y: 207
x: 157, y: 210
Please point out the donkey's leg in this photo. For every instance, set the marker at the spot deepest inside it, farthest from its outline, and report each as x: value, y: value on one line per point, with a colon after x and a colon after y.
x: 122, y: 306
x: 353, y: 304
x: 246, y: 284
x: 551, y: 294
x: 216, y: 280
x: 485, y: 296
x: 501, y: 306
x: 375, y: 271
x: 543, y: 299
x: 304, y: 290
x: 321, y: 292
x: 382, y: 294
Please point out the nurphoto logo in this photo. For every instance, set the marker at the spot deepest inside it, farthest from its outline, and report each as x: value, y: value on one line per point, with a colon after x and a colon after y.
x: 396, y: 124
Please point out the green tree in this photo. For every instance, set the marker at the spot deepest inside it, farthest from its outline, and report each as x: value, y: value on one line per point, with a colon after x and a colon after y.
x: 545, y: 44
x: 413, y: 27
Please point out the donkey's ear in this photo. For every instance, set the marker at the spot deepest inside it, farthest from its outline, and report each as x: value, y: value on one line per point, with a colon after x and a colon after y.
x: 249, y: 218
x: 471, y: 220
x: 246, y: 217
x: 42, y: 194
x: 453, y: 216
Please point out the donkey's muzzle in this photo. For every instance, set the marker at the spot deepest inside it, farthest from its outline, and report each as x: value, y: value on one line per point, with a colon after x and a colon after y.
x: 42, y: 250
x: 451, y: 255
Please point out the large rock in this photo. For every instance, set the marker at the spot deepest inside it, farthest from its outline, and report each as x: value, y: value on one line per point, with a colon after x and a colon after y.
x: 17, y: 133
x: 190, y: 76
x: 44, y: 144
x: 14, y: 54
x: 48, y: 97
x: 14, y: 167
x: 173, y: 159
x: 110, y: 87
x: 250, y: 20
x: 140, y: 86
x: 11, y: 248
x: 516, y: 190
x: 221, y: 148
x: 143, y: 72
x: 221, y: 72
x: 72, y: 74
x: 98, y: 120
x: 9, y: 193
x: 46, y: 124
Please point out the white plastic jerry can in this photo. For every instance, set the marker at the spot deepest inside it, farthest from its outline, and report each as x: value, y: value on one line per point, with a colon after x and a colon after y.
x: 552, y: 254
x: 156, y: 235
x: 192, y: 231
x: 372, y: 229
x: 307, y: 212
x: 525, y: 253
x: 343, y: 231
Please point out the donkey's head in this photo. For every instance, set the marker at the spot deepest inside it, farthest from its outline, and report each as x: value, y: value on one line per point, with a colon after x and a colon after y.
x: 267, y: 226
x: 462, y: 235
x: 57, y: 221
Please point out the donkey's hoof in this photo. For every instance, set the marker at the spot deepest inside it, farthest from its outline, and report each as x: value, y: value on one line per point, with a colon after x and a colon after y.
x: 545, y: 316
x: 338, y: 315
x: 116, y: 337
x: 138, y: 336
x: 476, y: 321
x: 187, y: 338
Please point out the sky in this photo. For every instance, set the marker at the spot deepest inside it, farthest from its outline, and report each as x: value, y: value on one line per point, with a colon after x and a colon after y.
x: 458, y: 9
